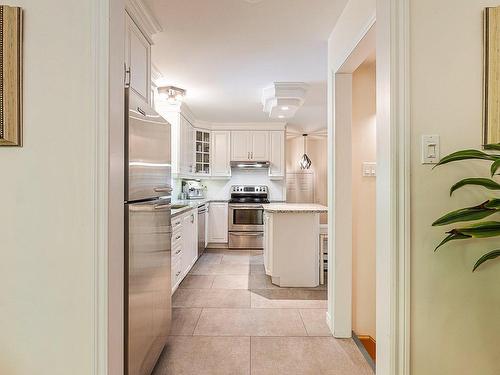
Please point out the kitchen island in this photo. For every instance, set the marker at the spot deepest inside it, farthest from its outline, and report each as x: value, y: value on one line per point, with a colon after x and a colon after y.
x: 291, y: 243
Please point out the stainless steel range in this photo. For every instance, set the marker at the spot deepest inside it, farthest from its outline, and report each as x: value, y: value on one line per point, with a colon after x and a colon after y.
x: 246, y: 216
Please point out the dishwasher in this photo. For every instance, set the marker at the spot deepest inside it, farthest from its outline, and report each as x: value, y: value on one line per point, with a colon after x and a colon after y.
x: 202, y: 212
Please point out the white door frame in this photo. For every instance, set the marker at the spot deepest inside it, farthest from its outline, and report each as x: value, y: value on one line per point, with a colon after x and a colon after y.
x: 393, y: 184
x: 100, y: 55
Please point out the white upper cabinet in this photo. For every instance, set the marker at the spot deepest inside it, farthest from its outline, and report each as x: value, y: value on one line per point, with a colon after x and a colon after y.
x: 138, y: 60
x: 221, y: 154
x: 277, y: 154
x: 241, y: 143
x: 249, y: 145
x: 183, y: 142
x: 260, y: 146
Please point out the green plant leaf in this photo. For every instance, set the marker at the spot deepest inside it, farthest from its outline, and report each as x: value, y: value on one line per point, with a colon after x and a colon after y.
x: 466, y: 155
x: 489, y: 256
x: 494, y: 167
x: 480, y: 230
x: 451, y: 237
x: 466, y: 214
x: 492, y: 146
x: 484, y: 182
x: 493, y: 203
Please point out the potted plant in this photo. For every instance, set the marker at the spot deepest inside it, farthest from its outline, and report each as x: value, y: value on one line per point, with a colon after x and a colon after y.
x: 483, y: 227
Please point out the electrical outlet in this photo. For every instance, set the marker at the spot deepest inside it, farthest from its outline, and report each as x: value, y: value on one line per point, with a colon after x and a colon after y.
x: 369, y: 169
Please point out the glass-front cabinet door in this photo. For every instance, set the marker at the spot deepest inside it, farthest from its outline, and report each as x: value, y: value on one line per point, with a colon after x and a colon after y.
x: 202, y: 151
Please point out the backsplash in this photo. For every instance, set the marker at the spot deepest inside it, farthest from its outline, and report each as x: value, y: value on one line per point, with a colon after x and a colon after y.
x: 220, y: 189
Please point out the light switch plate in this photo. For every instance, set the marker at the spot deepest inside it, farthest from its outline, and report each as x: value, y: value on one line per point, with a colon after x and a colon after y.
x: 430, y: 149
x: 369, y: 169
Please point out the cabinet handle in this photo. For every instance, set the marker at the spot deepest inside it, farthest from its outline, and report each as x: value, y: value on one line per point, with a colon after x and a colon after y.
x: 252, y: 155
x: 177, y: 274
x: 177, y: 252
x: 178, y: 237
x: 192, y: 218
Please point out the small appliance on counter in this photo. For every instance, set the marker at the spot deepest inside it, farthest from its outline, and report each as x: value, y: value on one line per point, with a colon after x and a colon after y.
x: 193, y: 189
x: 246, y: 217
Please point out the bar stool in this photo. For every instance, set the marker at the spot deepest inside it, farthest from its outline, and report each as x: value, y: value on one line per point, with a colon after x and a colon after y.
x: 323, y: 250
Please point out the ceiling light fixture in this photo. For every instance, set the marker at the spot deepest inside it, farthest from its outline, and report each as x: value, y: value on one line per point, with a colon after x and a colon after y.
x: 172, y: 94
x: 305, y: 162
x: 283, y: 99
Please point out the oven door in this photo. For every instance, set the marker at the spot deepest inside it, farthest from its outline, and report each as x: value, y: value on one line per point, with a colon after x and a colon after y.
x: 246, y: 218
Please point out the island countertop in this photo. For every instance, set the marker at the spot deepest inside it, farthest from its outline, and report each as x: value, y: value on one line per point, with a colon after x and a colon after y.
x: 295, y: 207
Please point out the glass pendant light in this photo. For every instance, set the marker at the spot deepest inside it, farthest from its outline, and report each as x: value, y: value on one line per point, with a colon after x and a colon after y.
x: 305, y: 162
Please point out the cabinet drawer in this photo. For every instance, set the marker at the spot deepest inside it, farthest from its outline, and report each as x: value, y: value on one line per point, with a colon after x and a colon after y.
x: 176, y: 272
x: 176, y: 224
x: 176, y: 238
x: 176, y: 253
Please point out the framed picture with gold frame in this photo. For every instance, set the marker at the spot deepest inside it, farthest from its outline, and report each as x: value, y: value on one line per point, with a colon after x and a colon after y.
x: 491, y: 110
x: 11, y: 78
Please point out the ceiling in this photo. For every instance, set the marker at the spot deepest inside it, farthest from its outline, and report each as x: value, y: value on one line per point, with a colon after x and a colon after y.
x: 224, y: 52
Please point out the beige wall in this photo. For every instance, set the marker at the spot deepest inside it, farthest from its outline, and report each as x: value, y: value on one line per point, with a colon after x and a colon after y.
x: 317, y: 152
x: 364, y: 199
x: 46, y: 199
x: 454, y: 313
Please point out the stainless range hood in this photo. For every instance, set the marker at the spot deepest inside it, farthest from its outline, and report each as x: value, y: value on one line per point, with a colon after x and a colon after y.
x: 250, y: 164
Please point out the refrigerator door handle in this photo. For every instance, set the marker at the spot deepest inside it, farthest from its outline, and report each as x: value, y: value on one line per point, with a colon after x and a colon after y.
x: 162, y: 206
x: 163, y: 190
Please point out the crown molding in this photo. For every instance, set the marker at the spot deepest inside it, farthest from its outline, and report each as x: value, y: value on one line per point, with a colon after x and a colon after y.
x: 144, y: 18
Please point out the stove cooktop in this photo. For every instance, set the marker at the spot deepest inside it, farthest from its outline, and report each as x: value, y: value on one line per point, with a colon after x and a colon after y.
x: 249, y: 200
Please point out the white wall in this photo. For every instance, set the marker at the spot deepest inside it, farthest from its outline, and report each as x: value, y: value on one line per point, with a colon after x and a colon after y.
x: 364, y: 139
x: 455, y: 325
x: 46, y: 195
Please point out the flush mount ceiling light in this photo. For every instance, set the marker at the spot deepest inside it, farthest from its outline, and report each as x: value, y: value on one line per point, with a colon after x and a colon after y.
x: 172, y: 94
x: 283, y: 99
x: 305, y: 162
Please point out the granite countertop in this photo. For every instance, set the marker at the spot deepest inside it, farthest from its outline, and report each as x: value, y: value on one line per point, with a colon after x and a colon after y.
x: 295, y: 207
x: 190, y: 204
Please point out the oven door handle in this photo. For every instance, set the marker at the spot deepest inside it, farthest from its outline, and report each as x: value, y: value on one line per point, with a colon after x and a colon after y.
x: 247, y: 234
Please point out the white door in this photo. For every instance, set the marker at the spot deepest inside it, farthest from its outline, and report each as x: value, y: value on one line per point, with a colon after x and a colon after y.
x: 217, y: 222
x: 221, y: 153
x: 241, y: 144
x: 260, y: 146
x: 139, y: 60
x: 277, y: 154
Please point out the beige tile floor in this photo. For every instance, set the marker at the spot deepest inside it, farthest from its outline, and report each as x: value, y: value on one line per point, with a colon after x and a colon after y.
x: 228, y: 318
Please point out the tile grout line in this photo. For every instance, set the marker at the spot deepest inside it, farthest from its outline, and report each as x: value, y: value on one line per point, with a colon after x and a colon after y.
x: 304, y: 324
x: 197, y: 321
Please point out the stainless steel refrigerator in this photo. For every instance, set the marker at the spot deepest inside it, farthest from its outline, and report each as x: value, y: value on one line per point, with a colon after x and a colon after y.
x: 147, y: 235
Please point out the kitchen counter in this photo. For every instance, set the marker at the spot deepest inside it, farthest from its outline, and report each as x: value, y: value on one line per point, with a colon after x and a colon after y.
x: 295, y: 207
x: 190, y: 205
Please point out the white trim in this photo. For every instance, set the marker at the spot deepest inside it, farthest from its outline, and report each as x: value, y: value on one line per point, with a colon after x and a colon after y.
x: 393, y: 184
x: 340, y: 292
x: 143, y: 18
x: 393, y: 193
x: 100, y: 55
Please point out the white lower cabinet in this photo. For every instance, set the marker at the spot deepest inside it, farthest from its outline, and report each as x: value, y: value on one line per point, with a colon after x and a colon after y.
x: 184, y: 246
x: 217, y: 222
